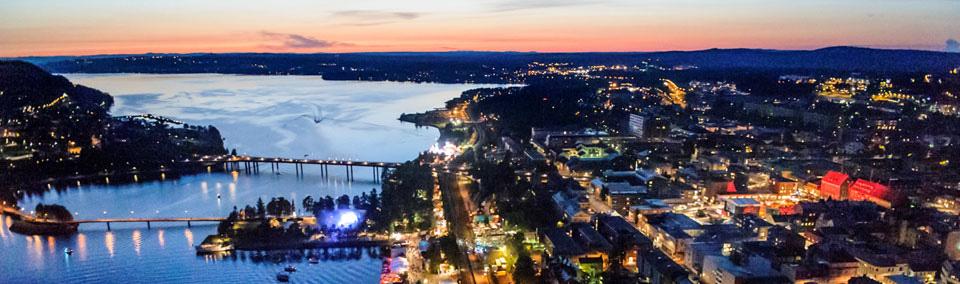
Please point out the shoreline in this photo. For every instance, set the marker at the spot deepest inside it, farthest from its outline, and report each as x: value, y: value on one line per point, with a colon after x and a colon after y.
x: 29, y: 228
x: 311, y: 245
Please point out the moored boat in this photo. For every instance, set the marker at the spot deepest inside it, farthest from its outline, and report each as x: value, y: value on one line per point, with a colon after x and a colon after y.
x: 283, y: 277
x: 215, y: 244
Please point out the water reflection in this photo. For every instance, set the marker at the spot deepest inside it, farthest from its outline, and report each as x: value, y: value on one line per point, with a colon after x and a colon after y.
x: 81, y: 246
x: 109, y: 242
x: 233, y: 192
x: 137, y: 241
x: 189, y: 235
x: 51, y: 244
x: 36, y: 250
x: 3, y: 228
x: 160, y: 238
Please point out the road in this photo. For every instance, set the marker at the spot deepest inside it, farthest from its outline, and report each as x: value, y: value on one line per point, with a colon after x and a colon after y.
x: 457, y: 200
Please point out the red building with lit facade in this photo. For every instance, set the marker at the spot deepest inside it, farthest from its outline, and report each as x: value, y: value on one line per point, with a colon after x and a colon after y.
x: 864, y: 190
x: 834, y: 185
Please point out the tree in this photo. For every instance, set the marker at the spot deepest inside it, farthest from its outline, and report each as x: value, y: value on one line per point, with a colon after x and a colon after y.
x: 328, y: 203
x: 233, y: 214
x: 308, y: 203
x: 261, y: 209
x: 343, y: 202
x: 449, y: 247
x: 364, y: 200
x: 373, y: 207
x: 373, y: 201
x: 523, y: 270
x: 357, y: 204
x: 279, y: 207
x: 295, y: 231
x: 53, y: 211
x: 249, y: 212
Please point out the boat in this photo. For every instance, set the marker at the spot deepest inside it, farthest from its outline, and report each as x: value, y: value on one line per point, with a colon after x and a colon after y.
x: 68, y: 251
x: 283, y: 277
x: 314, y: 260
x: 290, y: 268
x: 215, y: 244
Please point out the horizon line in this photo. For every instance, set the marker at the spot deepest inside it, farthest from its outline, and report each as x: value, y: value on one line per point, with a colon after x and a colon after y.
x: 477, y: 51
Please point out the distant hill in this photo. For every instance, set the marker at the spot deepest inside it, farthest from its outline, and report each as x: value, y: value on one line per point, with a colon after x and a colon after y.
x: 23, y: 84
x: 853, y: 59
x: 65, y: 129
x: 497, y: 67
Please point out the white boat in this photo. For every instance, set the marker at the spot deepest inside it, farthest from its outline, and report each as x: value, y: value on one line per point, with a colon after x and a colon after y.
x: 314, y: 260
x: 214, y: 244
x: 68, y: 251
x: 290, y: 268
x: 212, y: 248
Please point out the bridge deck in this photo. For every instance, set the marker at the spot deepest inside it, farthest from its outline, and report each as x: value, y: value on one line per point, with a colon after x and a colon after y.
x: 25, y: 216
x: 228, y: 158
x: 144, y: 220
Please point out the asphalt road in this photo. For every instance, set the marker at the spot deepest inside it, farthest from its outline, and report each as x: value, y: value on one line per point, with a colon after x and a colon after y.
x: 457, y: 200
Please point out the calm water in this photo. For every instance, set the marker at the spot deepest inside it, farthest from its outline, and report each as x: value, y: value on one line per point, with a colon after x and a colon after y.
x: 258, y: 115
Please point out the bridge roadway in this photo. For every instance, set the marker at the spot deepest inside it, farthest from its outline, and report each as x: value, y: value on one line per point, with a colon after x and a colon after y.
x: 251, y: 164
x: 188, y: 220
x: 335, y: 162
x: 107, y: 221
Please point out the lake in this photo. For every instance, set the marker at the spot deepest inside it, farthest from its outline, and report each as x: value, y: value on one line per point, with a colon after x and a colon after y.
x: 284, y: 116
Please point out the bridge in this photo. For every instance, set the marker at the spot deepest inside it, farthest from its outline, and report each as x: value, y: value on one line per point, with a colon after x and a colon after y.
x: 31, y: 218
x: 251, y: 164
x: 107, y: 221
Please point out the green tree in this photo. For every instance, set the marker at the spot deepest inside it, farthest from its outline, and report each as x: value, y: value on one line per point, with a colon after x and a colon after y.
x: 249, y: 212
x: 343, y: 202
x: 523, y: 270
x: 53, y: 211
x: 373, y: 200
x: 357, y: 203
x: 261, y: 209
x: 279, y: 207
x: 308, y: 203
x: 328, y: 203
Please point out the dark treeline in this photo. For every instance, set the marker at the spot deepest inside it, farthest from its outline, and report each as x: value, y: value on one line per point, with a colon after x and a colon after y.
x: 369, y: 202
x: 407, y: 198
x: 541, y: 104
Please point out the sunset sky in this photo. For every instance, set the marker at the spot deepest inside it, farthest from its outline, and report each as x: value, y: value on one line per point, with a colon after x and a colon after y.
x: 41, y: 27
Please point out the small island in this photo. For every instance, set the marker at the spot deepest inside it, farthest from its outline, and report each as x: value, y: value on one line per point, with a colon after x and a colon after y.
x: 50, y: 219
